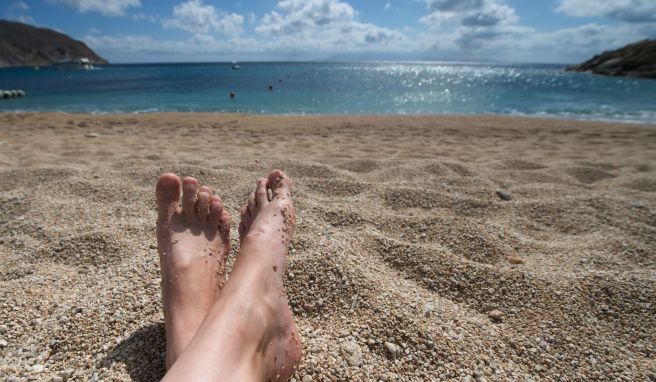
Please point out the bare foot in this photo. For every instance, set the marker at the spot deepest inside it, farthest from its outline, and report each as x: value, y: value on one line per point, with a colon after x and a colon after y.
x: 266, y: 228
x: 193, y: 244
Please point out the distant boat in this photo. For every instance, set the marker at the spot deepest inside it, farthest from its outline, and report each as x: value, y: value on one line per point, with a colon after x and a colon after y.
x: 235, y: 65
x: 68, y: 63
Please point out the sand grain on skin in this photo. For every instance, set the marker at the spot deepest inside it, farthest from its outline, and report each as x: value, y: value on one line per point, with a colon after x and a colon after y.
x: 405, y: 264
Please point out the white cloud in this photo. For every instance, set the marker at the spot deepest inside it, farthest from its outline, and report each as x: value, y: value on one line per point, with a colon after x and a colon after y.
x: 632, y: 11
x: 19, y: 6
x: 106, y: 7
x: 197, y: 17
x: 454, y: 5
x: 323, y: 24
x: 27, y: 19
x: 17, y: 11
x: 387, y: 6
x: 471, y: 25
x: 140, y: 16
x: 252, y: 19
x: 198, y: 44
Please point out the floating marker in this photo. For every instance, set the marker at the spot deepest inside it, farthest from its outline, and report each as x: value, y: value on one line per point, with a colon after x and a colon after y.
x: 6, y: 94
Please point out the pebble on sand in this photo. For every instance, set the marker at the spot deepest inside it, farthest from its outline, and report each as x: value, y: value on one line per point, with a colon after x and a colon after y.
x: 391, y: 348
x: 92, y: 135
x: 503, y: 194
x: 65, y: 374
x: 495, y: 315
x: 516, y: 260
x: 352, y: 353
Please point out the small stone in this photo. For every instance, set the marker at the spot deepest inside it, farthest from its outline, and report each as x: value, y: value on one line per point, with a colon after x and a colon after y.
x: 516, y: 260
x: 57, y: 378
x: 37, y: 368
x: 495, y: 315
x: 65, y: 374
x: 3, y: 329
x: 307, y: 378
x: 352, y: 353
x: 391, y: 348
x: 428, y: 309
x: 3, y: 344
x: 503, y: 194
x: 92, y: 135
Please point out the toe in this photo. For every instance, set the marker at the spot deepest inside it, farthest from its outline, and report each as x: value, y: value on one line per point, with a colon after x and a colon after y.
x: 224, y: 227
x: 189, y: 197
x: 251, y: 203
x: 203, y: 206
x: 261, y: 193
x: 242, y: 231
x: 245, y: 223
x: 246, y: 216
x: 216, y: 209
x: 281, y: 186
x: 167, y: 193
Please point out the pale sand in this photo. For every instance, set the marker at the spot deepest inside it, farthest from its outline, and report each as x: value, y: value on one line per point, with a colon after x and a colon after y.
x: 401, y: 238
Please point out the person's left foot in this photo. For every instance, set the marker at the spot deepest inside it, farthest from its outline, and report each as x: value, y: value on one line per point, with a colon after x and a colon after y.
x: 193, y: 243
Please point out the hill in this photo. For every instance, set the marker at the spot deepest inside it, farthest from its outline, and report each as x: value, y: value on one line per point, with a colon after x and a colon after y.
x: 634, y: 60
x: 26, y: 45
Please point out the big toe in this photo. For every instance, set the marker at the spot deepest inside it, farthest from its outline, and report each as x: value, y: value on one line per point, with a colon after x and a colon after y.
x: 167, y: 193
x: 281, y: 186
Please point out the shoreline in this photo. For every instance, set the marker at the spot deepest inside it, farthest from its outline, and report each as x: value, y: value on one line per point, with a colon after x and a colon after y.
x: 401, y: 238
x: 221, y: 113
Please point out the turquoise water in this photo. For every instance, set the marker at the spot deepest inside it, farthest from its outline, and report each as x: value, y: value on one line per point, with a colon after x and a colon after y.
x: 334, y: 88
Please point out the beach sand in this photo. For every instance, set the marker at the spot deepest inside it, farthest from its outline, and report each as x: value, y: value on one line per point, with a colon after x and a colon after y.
x: 401, y: 239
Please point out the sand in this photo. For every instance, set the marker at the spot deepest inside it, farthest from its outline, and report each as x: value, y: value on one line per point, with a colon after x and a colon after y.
x: 405, y: 266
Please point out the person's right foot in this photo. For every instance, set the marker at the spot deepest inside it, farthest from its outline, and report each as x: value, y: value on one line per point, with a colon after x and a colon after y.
x: 267, y: 224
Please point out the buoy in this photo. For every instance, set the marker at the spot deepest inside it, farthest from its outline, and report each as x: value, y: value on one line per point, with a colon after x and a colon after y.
x: 270, y: 87
x: 232, y: 94
x: 6, y: 94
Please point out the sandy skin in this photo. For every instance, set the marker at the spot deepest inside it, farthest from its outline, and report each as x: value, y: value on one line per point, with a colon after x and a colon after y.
x: 247, y: 324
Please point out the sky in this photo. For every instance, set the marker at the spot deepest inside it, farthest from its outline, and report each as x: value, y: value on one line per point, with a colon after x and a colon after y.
x: 535, y: 31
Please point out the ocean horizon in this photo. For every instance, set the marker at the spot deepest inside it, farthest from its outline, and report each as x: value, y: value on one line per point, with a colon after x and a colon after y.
x: 341, y: 88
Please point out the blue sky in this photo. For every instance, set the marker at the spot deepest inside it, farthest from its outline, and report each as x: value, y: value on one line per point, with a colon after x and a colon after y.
x: 559, y: 31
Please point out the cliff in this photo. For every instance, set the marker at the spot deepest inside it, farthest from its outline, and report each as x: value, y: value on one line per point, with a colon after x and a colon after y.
x: 634, y: 60
x: 26, y: 45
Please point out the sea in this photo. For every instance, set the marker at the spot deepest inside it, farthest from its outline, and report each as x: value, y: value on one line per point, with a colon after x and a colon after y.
x: 373, y: 88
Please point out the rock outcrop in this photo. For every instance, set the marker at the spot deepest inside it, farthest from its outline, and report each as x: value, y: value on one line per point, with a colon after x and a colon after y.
x: 634, y: 60
x: 26, y: 45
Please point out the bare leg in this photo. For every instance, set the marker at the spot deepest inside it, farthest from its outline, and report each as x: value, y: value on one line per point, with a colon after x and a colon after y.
x: 249, y: 333
x: 193, y: 244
